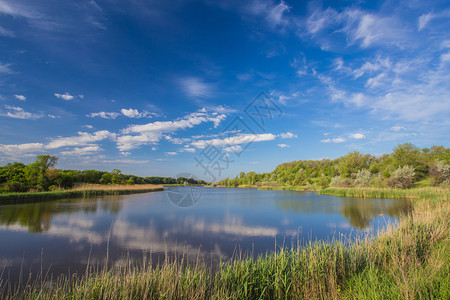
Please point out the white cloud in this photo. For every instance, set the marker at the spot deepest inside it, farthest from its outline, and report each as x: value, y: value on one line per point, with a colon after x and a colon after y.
x: 53, y: 116
x: 171, y: 153
x: 196, y: 87
x: 4, y: 68
x: 150, y: 133
x: 424, y: 20
x: 236, y: 148
x: 235, y: 140
x: 357, y: 136
x: 336, y: 140
x: 65, y: 96
x: 6, y: 32
x: 88, y: 126
x: 274, y: 14
x: 129, y: 113
x: 82, y: 151
x: 355, y: 26
x: 191, y: 150
x: 18, y: 113
x: 134, y: 113
x: 241, y: 139
x: 103, y: 115
x: 397, y: 128
x: 288, y: 135
x: 17, y: 150
x: 283, y: 146
x: 83, y: 138
x: 126, y: 161
x: 20, y: 97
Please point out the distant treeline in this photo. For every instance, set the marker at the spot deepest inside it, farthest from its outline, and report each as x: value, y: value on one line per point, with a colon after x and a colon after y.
x: 405, y: 166
x: 41, y: 175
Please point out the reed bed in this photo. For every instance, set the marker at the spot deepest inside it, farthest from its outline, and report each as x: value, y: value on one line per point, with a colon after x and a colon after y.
x: 429, y: 193
x: 408, y: 260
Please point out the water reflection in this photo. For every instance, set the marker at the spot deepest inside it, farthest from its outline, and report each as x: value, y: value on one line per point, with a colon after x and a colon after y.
x: 70, y: 231
x: 37, y: 217
x: 359, y: 212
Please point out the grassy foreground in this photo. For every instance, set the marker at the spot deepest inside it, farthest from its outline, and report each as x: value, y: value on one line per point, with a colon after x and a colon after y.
x: 407, y: 261
x: 86, y: 190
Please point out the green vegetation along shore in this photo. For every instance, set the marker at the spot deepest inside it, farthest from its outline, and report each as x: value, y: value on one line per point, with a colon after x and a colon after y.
x: 407, y: 166
x: 86, y: 190
x: 409, y: 260
x: 42, y: 176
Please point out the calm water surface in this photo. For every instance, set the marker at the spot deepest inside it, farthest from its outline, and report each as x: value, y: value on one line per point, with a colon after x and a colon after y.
x: 62, y: 235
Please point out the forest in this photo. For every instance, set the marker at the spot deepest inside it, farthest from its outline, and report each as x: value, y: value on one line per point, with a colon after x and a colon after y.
x: 406, y: 166
x: 41, y: 175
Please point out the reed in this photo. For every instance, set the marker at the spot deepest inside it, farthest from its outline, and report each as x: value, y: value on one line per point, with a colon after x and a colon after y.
x: 408, y: 260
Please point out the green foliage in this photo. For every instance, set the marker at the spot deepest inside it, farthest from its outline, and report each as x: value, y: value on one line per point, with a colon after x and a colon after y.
x: 402, y: 178
x: 41, y: 175
x: 353, y: 162
x: 363, y: 178
x: 354, y: 169
x: 440, y: 173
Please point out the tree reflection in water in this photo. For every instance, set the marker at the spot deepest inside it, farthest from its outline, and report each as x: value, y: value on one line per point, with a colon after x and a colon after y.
x: 37, y: 217
x: 358, y: 211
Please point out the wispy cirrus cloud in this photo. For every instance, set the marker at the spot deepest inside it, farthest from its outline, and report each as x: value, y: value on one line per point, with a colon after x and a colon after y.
x: 6, y: 32
x: 274, y: 14
x: 197, y: 88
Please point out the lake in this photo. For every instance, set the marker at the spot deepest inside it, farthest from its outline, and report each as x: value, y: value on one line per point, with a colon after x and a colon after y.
x: 64, y: 236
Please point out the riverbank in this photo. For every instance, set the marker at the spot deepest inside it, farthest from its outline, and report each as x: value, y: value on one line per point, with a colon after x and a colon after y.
x: 83, y: 191
x: 408, y: 260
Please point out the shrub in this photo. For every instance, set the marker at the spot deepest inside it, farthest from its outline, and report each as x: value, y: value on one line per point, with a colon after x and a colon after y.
x: 403, y: 177
x: 440, y: 173
x: 362, y: 178
x: 378, y: 181
x: 337, y: 181
x: 323, y: 181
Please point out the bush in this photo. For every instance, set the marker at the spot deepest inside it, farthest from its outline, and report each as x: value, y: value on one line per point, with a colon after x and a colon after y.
x: 378, y: 181
x: 323, y: 181
x: 402, y: 178
x: 337, y: 181
x: 362, y: 178
x: 440, y: 173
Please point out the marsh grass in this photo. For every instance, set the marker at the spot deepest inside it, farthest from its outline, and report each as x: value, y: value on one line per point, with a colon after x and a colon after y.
x: 429, y: 193
x: 408, y: 260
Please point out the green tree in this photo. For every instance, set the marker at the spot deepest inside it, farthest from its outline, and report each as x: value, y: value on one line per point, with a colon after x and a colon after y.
x: 353, y: 162
x: 36, y: 172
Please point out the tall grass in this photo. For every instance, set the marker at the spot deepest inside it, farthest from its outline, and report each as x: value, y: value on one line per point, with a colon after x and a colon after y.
x: 429, y: 193
x: 409, y: 260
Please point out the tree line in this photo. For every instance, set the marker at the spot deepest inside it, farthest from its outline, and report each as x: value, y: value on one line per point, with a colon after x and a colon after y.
x: 405, y: 166
x: 41, y: 175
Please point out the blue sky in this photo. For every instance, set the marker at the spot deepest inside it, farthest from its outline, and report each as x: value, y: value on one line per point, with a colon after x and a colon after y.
x: 151, y: 87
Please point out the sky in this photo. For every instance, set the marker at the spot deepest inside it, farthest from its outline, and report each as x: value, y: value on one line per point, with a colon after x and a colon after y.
x: 212, y: 88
